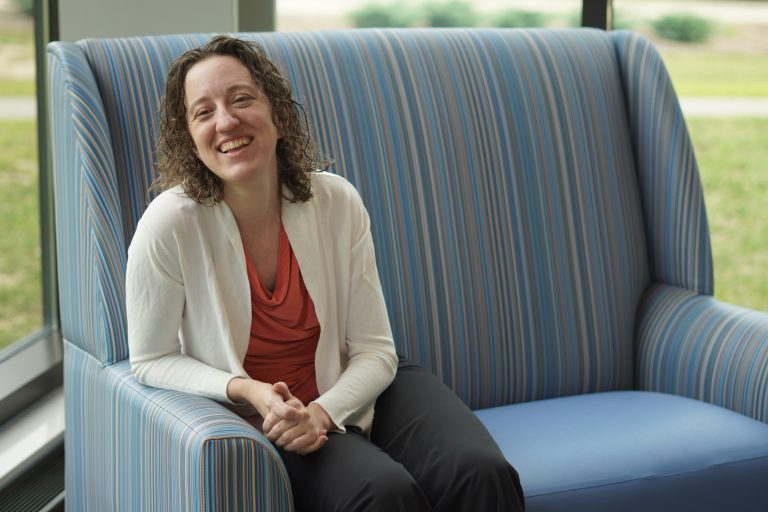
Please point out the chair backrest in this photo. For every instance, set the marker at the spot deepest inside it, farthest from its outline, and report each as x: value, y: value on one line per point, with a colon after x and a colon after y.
x: 525, y: 186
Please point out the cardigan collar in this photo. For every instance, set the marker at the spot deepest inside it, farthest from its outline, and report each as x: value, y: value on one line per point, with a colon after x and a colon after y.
x: 300, y: 223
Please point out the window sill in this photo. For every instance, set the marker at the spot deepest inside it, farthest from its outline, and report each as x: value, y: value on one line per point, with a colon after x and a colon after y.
x: 31, y: 435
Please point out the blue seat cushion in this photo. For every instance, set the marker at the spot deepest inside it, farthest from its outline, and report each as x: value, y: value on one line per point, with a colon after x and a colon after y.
x: 633, y: 450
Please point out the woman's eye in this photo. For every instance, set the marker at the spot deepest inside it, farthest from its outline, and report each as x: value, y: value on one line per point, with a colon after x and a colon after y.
x: 202, y: 113
x: 242, y: 99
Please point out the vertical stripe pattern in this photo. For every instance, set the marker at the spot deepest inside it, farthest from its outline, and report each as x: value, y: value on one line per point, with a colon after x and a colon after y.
x: 693, y: 345
x: 673, y: 201
x: 130, y: 74
x: 498, y: 169
x: 91, y: 250
x: 132, y: 447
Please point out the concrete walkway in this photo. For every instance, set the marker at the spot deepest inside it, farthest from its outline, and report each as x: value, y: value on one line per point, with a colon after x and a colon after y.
x: 732, y: 11
x: 724, y: 107
x: 24, y: 107
x: 18, y: 107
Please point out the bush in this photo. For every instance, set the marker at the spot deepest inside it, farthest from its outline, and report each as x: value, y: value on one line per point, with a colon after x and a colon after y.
x: 686, y: 28
x: 620, y: 21
x: 379, y: 16
x: 514, y: 18
x: 573, y: 19
x: 25, y: 6
x: 449, y: 14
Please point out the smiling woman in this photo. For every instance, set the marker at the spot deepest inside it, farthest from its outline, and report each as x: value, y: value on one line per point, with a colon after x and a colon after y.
x: 251, y: 279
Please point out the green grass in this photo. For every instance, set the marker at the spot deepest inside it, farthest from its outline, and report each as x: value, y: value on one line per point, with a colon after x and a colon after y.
x: 733, y: 162
x: 714, y: 74
x: 12, y: 87
x: 21, y: 36
x: 16, y: 48
x: 20, y: 270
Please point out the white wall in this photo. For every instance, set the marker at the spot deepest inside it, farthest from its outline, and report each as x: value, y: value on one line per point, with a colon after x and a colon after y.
x: 79, y: 19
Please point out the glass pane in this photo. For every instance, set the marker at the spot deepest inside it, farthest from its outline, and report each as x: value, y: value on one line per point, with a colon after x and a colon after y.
x: 20, y: 264
x: 717, y: 56
x: 313, y: 15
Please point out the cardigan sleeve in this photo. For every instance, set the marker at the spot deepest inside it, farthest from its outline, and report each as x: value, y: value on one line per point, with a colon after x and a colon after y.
x: 372, y: 361
x: 155, y: 302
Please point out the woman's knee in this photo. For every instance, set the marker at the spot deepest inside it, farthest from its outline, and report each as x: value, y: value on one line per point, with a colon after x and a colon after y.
x: 392, y: 489
x: 481, y: 480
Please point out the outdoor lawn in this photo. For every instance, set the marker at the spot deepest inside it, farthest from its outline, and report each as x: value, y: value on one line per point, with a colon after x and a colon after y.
x: 717, y: 74
x: 733, y: 162
x: 20, y: 288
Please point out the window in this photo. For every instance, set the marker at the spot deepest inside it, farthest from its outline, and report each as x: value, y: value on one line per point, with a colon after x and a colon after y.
x: 309, y: 15
x: 30, y: 351
x: 20, y: 269
x: 717, y: 56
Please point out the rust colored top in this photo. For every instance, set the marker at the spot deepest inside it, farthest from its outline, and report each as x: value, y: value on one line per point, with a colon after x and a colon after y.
x: 284, y: 329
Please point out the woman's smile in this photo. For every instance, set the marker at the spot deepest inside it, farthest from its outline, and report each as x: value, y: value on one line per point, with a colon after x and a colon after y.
x: 234, y: 145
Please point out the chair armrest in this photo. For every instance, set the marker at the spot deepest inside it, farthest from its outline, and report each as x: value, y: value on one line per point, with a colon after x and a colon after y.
x: 696, y: 346
x: 236, y: 465
x: 142, y: 448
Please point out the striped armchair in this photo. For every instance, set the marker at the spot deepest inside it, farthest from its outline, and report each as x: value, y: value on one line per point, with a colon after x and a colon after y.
x: 543, y: 245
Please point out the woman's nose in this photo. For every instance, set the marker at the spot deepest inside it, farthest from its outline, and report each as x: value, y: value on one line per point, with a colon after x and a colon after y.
x: 226, y: 119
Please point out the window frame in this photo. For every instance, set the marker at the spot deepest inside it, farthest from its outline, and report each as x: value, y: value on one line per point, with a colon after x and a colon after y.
x: 32, y: 366
x: 597, y: 14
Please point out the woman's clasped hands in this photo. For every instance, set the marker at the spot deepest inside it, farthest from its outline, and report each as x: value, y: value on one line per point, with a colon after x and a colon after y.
x: 287, y: 422
x: 302, y: 433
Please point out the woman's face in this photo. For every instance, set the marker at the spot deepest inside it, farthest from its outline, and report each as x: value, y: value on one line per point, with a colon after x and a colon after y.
x: 230, y: 121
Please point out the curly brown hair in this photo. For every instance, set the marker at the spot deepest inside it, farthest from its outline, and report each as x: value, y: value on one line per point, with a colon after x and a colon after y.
x: 177, y: 163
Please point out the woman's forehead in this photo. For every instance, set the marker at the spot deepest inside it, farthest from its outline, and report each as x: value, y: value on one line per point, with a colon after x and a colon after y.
x: 214, y: 75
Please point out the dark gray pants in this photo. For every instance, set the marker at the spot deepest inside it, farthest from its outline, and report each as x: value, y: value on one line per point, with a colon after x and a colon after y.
x: 427, y: 451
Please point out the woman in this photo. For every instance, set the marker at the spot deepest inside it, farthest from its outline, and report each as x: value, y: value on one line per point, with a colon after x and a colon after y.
x: 252, y: 280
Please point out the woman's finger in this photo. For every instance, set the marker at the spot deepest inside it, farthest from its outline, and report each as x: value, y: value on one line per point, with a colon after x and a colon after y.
x: 290, y: 435
x: 309, y: 442
x: 279, y: 429
x: 318, y: 443
x: 281, y: 388
x: 278, y: 413
x: 286, y: 411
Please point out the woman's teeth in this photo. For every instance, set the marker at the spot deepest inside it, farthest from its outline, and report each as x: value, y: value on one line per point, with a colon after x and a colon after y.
x: 234, y: 144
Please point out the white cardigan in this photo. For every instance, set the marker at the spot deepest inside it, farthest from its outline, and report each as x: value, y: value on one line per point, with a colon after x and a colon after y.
x: 189, y: 305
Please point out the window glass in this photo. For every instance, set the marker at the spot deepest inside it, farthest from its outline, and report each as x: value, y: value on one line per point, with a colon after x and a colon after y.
x: 20, y: 260
x: 313, y: 15
x: 717, y: 56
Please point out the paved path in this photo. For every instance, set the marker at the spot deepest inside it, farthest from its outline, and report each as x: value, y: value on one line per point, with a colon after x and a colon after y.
x: 724, y: 107
x: 18, y: 107
x: 732, y: 11
x: 23, y: 107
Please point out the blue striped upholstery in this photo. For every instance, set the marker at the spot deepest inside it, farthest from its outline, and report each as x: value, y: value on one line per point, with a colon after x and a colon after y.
x: 131, y: 447
x: 91, y: 244
x: 130, y: 73
x: 526, y: 189
x: 484, y: 183
x: 673, y: 202
x: 693, y: 345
